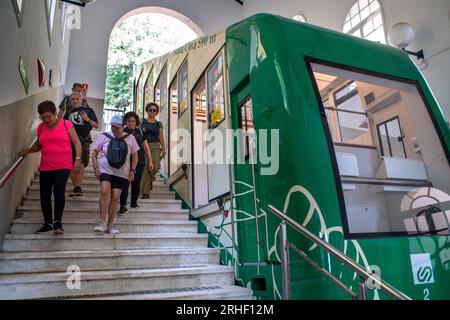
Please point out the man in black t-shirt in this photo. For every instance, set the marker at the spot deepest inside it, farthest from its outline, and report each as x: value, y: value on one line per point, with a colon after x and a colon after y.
x: 65, y: 105
x: 83, y: 119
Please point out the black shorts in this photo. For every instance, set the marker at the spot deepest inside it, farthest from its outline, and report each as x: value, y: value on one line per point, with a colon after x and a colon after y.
x: 116, y: 182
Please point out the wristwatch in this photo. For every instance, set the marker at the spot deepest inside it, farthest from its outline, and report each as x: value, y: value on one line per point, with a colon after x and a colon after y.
x: 133, y: 170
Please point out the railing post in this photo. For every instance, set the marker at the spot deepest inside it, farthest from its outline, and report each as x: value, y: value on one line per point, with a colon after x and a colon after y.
x: 285, y: 268
x: 363, y: 293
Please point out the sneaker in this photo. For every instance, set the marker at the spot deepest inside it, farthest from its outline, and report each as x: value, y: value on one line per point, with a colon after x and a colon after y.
x: 112, y: 230
x: 101, y: 227
x: 134, y: 205
x: 46, y: 228
x: 77, y: 192
x: 57, y: 228
x: 122, y: 211
x: 145, y: 196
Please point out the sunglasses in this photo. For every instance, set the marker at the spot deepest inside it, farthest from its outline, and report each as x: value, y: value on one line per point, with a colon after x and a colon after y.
x: 152, y: 110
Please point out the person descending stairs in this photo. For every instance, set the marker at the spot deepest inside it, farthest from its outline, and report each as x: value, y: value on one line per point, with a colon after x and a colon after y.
x: 157, y: 255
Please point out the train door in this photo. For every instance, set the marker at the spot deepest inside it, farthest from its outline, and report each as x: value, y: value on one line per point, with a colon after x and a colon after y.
x: 252, y: 228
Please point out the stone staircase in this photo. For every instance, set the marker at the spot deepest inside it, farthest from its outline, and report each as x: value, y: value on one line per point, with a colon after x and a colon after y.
x: 157, y: 255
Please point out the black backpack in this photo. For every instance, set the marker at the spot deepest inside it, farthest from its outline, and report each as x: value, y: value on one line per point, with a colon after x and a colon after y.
x: 117, y: 151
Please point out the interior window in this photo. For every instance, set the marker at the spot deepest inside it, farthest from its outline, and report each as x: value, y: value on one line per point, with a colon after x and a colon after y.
x: 216, y: 101
x: 391, y: 139
x: 199, y: 100
x: 148, y: 89
x: 182, y: 90
x: 157, y: 91
x: 394, y: 170
x: 163, y: 87
x: 248, y: 133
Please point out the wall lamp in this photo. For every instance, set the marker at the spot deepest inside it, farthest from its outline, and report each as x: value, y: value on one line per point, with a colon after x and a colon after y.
x: 401, y: 36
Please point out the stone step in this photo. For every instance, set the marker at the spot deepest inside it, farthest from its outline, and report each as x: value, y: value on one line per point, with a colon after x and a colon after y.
x: 201, y: 293
x: 87, y: 202
x: 90, y: 177
x: 55, y: 285
x: 59, y: 261
x: 96, y: 184
x: 77, y: 226
x: 35, y: 212
x: 101, y: 241
x: 94, y: 192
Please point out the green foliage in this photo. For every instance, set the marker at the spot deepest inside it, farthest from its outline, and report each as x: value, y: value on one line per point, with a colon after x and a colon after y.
x: 135, y: 40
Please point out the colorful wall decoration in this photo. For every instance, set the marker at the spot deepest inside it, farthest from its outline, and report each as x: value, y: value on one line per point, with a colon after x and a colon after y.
x: 41, y: 72
x: 18, y: 9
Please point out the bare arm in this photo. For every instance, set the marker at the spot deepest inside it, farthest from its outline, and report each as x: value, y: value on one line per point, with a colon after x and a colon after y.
x: 36, y: 147
x: 134, y: 162
x: 163, y: 143
x: 148, y: 155
x: 95, y: 163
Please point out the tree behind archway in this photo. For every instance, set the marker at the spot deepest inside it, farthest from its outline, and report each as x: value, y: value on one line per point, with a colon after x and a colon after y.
x: 137, y: 39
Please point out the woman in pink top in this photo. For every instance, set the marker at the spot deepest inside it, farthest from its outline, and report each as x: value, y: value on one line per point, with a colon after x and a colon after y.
x: 54, y: 141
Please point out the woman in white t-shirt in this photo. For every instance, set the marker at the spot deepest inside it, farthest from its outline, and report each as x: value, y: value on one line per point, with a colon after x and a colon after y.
x: 112, y: 180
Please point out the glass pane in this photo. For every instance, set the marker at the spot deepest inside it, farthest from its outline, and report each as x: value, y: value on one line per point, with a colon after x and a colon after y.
x: 355, y: 20
x: 354, y: 10
x: 216, y: 96
x: 183, y: 90
x: 347, y: 27
x: 357, y: 33
x: 199, y: 100
x: 365, y: 13
x: 333, y: 125
x: 374, y: 6
x: 148, y: 90
x: 248, y: 144
x: 406, y: 192
x: 158, y: 93
x: 363, y: 4
x: 377, y: 35
x: 174, y: 97
x: 163, y: 87
x: 367, y: 28
x: 354, y: 128
x: 382, y: 133
x: 377, y: 20
x: 395, y: 139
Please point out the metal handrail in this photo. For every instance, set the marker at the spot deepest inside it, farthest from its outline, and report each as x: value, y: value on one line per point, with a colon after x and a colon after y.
x: 13, y: 169
x: 342, y: 257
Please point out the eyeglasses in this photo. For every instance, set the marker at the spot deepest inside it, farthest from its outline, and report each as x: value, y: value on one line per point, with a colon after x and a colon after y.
x: 49, y: 117
x: 152, y: 110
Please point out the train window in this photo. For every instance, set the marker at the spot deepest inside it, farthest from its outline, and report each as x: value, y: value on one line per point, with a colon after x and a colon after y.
x: 138, y: 95
x: 216, y: 100
x: 157, y: 91
x: 199, y: 100
x: 248, y: 133
x: 163, y: 87
x: 173, y: 91
x: 401, y: 184
x: 348, y: 120
x: 148, y: 89
x: 183, y: 90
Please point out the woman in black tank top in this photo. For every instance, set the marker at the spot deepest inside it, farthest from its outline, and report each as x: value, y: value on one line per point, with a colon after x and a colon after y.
x: 153, y: 131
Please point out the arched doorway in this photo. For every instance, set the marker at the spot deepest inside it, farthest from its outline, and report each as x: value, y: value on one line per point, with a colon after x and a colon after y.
x: 138, y: 36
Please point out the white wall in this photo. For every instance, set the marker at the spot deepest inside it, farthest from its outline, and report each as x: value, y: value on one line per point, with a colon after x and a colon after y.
x: 31, y: 42
x: 431, y: 19
x: 89, y: 45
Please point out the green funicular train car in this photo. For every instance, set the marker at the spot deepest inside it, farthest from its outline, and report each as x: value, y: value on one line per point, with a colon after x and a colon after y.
x: 350, y: 144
